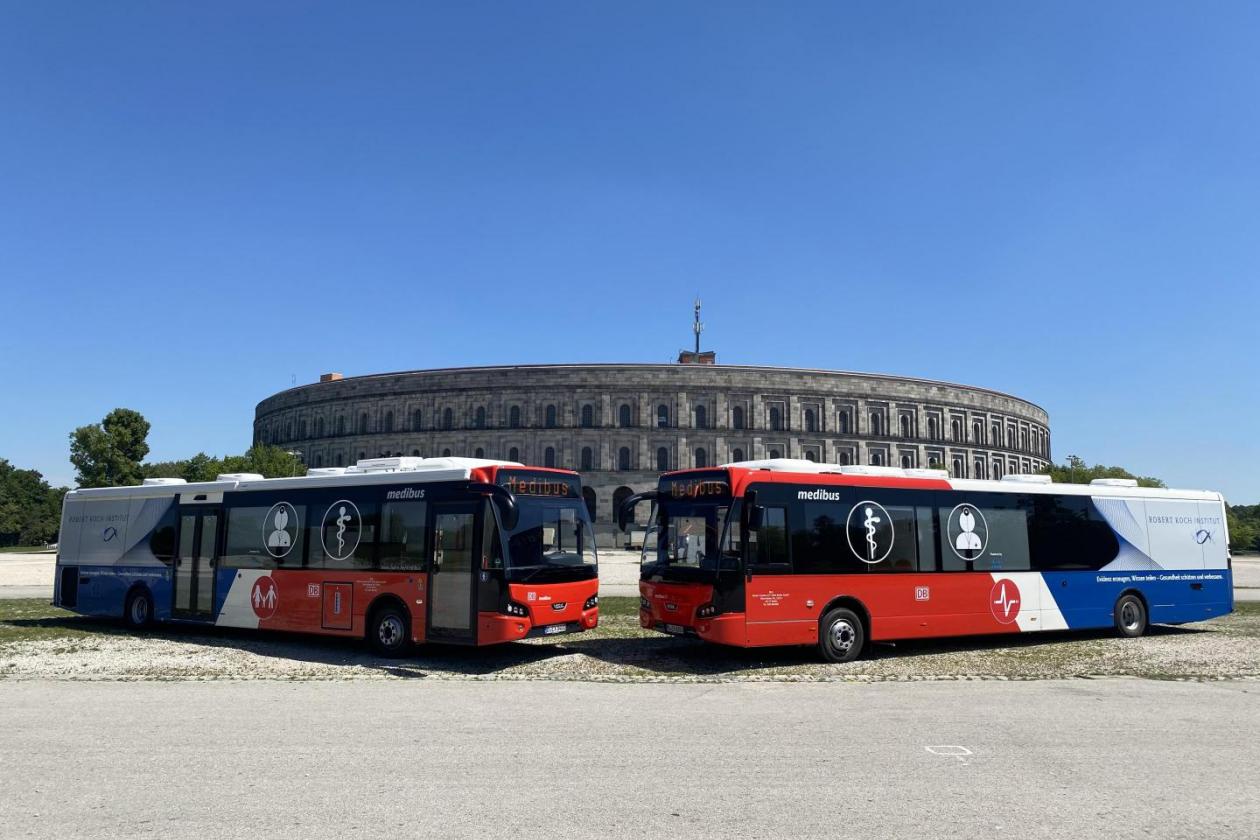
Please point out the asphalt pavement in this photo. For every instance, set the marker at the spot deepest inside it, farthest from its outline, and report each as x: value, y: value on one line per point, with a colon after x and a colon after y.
x: 1113, y: 758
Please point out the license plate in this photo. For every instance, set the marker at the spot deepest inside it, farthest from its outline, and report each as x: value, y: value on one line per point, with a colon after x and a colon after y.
x: 554, y: 628
x: 676, y: 629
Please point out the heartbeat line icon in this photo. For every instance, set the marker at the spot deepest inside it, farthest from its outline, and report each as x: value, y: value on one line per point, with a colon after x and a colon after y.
x: 1005, y: 603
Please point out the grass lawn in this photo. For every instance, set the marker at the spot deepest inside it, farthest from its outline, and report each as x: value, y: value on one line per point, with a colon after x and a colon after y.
x: 23, y: 549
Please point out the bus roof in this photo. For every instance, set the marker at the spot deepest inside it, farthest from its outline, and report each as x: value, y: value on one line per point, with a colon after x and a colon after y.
x: 370, y: 471
x: 791, y: 470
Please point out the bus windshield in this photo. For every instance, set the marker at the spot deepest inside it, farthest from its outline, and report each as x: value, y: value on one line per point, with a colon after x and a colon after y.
x: 549, y: 536
x: 685, y: 535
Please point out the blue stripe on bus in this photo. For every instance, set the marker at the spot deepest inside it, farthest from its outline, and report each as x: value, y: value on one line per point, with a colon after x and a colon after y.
x: 1086, y: 599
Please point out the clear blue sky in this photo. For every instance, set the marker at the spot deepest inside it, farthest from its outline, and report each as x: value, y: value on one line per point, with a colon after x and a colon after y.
x: 1060, y: 200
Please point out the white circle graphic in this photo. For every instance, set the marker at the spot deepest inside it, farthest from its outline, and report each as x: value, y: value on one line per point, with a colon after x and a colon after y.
x: 876, y: 525
x: 279, y: 529
x: 346, y: 527
x: 967, y: 532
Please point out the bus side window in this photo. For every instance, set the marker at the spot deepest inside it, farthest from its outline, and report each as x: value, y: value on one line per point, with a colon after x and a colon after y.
x: 162, y: 541
x: 491, y: 547
x: 987, y: 533
x: 927, y: 539
x: 770, y: 553
x: 402, y: 536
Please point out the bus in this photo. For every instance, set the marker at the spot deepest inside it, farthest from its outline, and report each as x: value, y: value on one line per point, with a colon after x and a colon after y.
x: 789, y: 552
x: 395, y: 550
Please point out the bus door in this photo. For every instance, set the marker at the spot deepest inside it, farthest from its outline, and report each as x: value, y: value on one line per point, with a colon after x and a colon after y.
x: 452, y: 579
x: 192, y: 595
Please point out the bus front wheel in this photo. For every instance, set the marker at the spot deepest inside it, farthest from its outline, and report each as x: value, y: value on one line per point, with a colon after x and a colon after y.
x: 138, y: 609
x: 841, y: 636
x: 389, y: 631
x: 1130, y: 616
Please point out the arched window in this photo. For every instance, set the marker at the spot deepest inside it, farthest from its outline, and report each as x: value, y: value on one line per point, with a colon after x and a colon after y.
x: 623, y: 458
x: 623, y: 416
x: 702, y: 417
x: 514, y: 417
x: 702, y: 458
x: 737, y: 417
x: 997, y: 470
x: 955, y: 429
x: 588, y: 458
x: 845, y: 460
x: 842, y: 422
x: 810, y: 456
x: 662, y: 459
x: 415, y: 453
x: 979, y: 467
x: 811, y: 420
x: 774, y: 453
x: 933, y: 429
x: 448, y: 418
x: 363, y: 423
x: 737, y: 455
x: 662, y: 416
x: 341, y: 424
x: 977, y: 432
x: 1010, y: 437
x: 997, y: 434
x: 1023, y: 439
x: 479, y: 452
x: 389, y: 421
x: 319, y: 460
x: 479, y: 417
x: 514, y: 454
x: 549, y: 456
x: 550, y: 418
x: 905, y: 425
x: 619, y: 497
x: 340, y: 460
x: 958, y: 468
x: 776, y: 418
x: 588, y: 416
x: 417, y: 418
x: 319, y: 427
x: 877, y: 424
x: 877, y: 459
x: 905, y: 462
x: 588, y: 496
x: 362, y: 454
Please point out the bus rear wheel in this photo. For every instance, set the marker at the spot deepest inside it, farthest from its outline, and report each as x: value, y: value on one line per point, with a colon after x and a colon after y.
x: 389, y: 631
x: 841, y: 636
x: 138, y: 609
x: 1131, y: 618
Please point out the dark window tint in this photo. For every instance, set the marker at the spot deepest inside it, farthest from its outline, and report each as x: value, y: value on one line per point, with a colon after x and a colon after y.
x: 264, y: 537
x: 769, y: 544
x: 1068, y: 533
x: 344, y: 537
x: 402, y: 536
x: 162, y: 542
x: 984, y: 532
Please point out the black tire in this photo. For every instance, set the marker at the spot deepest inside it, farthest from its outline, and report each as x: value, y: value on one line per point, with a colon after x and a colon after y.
x: 389, y: 631
x: 138, y: 609
x: 1130, y: 616
x: 841, y: 635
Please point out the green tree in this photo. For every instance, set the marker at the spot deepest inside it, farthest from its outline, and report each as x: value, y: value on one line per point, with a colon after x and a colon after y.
x: 1076, y: 471
x: 273, y: 462
x: 30, y: 510
x: 108, y: 454
x: 1244, y: 527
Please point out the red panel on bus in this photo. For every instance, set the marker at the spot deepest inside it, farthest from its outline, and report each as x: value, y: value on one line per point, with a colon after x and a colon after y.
x: 338, y: 598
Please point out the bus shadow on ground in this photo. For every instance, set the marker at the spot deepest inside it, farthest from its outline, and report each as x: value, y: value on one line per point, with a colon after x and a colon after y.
x: 334, y: 651
x: 678, y: 656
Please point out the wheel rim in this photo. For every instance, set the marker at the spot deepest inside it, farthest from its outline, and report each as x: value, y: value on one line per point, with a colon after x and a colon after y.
x: 139, y: 610
x: 1129, y: 616
x: 390, y: 631
x: 842, y: 636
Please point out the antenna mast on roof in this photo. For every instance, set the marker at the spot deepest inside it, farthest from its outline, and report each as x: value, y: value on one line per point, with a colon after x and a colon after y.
x: 697, y: 327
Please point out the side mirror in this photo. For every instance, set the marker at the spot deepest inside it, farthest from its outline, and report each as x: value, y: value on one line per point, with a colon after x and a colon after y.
x: 625, y: 513
x: 504, y: 502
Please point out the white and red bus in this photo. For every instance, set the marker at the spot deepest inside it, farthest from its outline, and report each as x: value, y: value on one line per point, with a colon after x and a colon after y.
x: 397, y: 550
x: 786, y: 552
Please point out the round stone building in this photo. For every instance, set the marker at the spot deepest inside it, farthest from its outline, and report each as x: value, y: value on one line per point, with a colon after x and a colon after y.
x: 621, y: 425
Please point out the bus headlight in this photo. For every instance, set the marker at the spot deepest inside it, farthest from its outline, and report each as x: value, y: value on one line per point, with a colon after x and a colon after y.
x: 591, y: 603
x: 514, y: 608
x: 706, y: 611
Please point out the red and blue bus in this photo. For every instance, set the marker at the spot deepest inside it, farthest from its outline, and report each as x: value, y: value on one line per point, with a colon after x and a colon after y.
x: 394, y: 550
x: 787, y: 552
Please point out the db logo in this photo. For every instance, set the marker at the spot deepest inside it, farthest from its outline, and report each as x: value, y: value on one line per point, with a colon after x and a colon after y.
x: 1004, y: 601
x: 264, y: 597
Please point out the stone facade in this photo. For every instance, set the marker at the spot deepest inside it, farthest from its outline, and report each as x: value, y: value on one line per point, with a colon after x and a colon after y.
x: 623, y: 424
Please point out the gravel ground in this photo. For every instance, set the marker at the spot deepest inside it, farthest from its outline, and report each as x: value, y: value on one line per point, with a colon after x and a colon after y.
x: 74, y: 648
